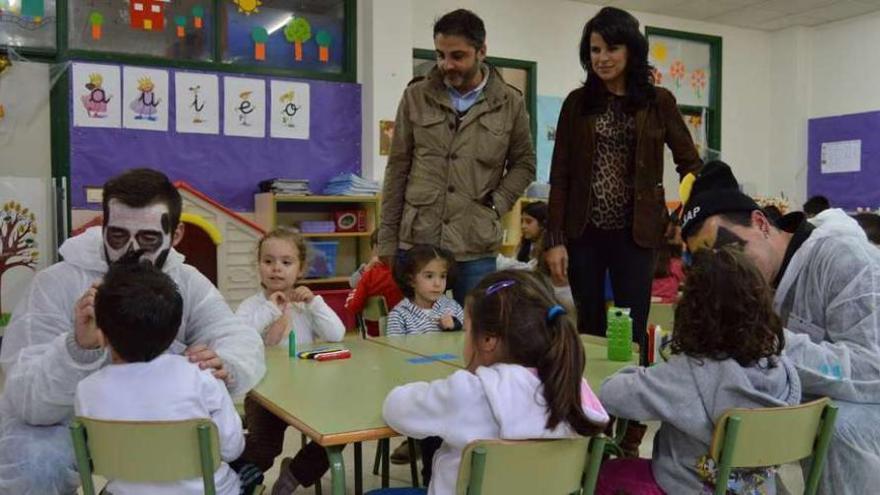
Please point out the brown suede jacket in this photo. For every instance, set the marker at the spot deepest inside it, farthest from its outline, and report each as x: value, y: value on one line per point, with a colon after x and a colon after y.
x: 571, y: 171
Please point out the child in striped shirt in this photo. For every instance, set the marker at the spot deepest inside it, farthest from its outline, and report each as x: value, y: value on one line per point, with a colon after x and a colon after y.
x: 422, y: 274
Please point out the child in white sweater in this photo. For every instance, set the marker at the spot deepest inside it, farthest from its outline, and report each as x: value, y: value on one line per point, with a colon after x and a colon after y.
x: 280, y: 308
x: 138, y: 311
x: 523, y: 380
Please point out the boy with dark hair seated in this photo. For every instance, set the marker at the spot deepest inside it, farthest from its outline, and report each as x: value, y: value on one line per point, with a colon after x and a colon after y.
x: 138, y: 313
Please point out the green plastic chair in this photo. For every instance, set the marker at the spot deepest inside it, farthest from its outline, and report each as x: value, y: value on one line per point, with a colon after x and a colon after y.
x: 753, y: 438
x: 569, y: 466
x: 146, y: 451
x: 376, y: 310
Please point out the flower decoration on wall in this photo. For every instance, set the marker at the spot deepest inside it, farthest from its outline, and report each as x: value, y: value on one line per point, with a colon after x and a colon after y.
x: 698, y: 82
x: 657, y: 75
x: 676, y: 72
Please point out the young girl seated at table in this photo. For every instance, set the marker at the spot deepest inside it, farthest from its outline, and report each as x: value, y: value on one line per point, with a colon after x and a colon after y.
x: 726, y: 353
x: 523, y: 379
x: 422, y: 273
x: 282, y: 307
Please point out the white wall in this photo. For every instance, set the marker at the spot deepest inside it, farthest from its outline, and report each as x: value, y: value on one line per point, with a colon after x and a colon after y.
x: 845, y: 72
x: 790, y: 92
x: 832, y: 69
x: 548, y: 32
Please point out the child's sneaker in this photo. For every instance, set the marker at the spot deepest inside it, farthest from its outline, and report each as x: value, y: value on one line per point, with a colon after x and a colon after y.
x: 286, y: 483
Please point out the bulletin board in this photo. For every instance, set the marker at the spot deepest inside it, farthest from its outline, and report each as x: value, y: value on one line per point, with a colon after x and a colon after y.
x: 850, y: 173
x: 226, y: 161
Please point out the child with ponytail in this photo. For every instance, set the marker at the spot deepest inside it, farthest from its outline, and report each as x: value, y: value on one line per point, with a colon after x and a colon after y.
x: 523, y: 380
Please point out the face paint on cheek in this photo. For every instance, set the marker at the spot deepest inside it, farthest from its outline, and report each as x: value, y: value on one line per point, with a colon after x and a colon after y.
x: 726, y: 237
x: 132, y: 235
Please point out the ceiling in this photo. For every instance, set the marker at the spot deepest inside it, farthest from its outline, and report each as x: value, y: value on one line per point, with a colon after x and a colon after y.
x: 768, y: 15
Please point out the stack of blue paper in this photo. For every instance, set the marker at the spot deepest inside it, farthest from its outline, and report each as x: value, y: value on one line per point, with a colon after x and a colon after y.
x: 351, y: 185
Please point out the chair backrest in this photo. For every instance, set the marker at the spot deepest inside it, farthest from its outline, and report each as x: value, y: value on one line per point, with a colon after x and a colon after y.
x: 376, y: 310
x: 562, y: 466
x: 146, y: 451
x: 751, y: 438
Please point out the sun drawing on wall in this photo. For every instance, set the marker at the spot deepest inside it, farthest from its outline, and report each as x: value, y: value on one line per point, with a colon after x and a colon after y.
x: 248, y: 7
x: 659, y: 51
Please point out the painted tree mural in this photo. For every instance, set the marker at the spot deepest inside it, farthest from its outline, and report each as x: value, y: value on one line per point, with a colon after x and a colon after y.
x: 260, y: 36
x: 18, y: 244
x: 324, y: 39
x: 96, y: 20
x: 298, y: 31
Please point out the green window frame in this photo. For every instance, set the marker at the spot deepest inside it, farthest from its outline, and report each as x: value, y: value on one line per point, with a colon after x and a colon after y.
x: 60, y: 93
x: 713, y: 110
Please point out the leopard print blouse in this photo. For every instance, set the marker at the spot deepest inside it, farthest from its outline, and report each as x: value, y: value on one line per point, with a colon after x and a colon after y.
x: 612, y: 183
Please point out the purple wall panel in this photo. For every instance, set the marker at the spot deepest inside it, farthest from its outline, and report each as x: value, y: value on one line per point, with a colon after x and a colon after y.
x: 853, y: 189
x: 224, y: 167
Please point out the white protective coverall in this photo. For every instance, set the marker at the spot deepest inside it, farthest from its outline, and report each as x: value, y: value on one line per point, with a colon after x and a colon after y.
x: 43, y: 364
x: 829, y: 299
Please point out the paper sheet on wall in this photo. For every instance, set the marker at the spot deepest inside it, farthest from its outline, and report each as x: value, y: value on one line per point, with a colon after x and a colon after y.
x: 25, y: 209
x: 145, y: 98
x: 97, y: 94
x: 244, y: 107
x: 197, y: 103
x: 841, y: 156
x: 290, y: 110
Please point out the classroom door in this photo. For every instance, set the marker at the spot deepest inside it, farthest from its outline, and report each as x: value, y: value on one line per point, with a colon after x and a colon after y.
x: 200, y: 251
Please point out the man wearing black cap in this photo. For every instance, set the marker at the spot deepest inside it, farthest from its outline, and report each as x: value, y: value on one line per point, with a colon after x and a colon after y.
x: 827, y: 281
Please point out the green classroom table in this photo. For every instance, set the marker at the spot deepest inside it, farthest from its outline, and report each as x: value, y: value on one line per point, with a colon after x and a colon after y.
x: 447, y: 347
x: 340, y: 402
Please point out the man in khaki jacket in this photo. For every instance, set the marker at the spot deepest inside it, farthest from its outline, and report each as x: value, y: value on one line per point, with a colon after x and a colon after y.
x: 461, y: 155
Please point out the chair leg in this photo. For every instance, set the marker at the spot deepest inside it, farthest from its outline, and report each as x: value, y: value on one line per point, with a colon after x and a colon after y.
x: 381, y: 444
x: 386, y: 463
x: 318, y: 489
x: 358, y: 468
x: 83, y: 463
x: 413, y: 462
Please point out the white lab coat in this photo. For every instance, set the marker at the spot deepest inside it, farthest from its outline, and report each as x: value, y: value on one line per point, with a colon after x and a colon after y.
x: 829, y: 299
x: 43, y: 365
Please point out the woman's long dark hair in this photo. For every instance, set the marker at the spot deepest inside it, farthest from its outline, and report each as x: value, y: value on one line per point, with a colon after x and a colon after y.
x: 513, y: 305
x: 618, y: 27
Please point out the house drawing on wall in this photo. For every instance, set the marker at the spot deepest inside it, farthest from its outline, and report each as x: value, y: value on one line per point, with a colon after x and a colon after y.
x: 218, y: 242
x: 148, y: 15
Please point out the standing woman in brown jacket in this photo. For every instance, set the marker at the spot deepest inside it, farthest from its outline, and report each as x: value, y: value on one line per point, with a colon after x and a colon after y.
x: 607, y: 209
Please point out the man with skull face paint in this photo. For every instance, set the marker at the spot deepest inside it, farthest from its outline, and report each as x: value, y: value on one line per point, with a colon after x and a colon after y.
x: 52, y: 342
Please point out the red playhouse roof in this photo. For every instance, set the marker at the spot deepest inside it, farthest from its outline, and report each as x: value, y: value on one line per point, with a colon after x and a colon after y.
x: 98, y: 220
x: 195, y: 192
